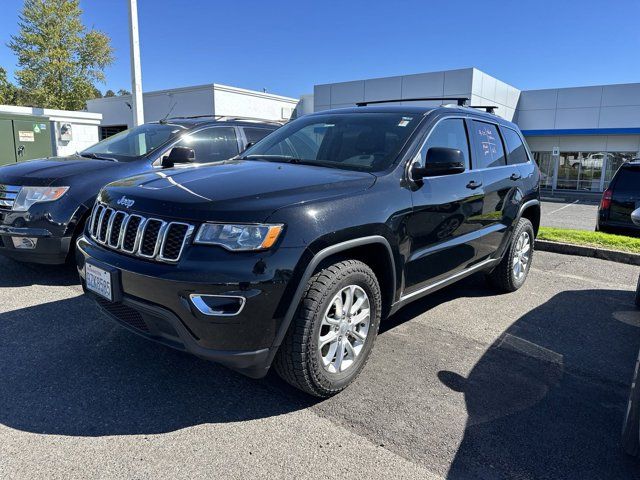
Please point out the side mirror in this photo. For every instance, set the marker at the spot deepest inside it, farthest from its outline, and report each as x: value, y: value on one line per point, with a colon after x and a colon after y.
x: 635, y: 216
x: 178, y: 155
x: 440, y: 161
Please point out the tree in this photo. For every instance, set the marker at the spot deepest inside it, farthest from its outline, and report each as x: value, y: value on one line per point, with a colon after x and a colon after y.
x: 8, y: 91
x: 59, y: 60
x: 109, y: 93
x: 122, y: 92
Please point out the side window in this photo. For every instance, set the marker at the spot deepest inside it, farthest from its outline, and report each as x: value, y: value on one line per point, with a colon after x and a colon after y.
x: 450, y: 133
x: 212, y: 144
x: 254, y: 135
x: 489, y: 151
x: 516, y: 151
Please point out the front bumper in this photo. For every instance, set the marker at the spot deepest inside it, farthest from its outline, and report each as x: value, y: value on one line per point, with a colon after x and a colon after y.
x: 49, y: 249
x: 153, y: 300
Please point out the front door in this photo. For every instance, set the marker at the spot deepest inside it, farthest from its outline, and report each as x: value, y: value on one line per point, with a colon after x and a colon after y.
x: 442, y: 227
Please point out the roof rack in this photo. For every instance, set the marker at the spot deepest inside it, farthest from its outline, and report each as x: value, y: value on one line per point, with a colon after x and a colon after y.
x: 487, y: 108
x: 462, y: 101
x: 227, y: 118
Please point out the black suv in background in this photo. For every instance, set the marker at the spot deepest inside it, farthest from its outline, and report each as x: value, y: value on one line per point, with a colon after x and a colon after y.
x: 292, y: 253
x: 620, y: 200
x: 45, y: 203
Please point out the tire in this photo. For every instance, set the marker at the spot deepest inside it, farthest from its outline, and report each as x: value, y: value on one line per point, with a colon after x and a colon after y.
x: 504, y: 277
x: 301, y: 360
x: 638, y: 294
x: 631, y: 426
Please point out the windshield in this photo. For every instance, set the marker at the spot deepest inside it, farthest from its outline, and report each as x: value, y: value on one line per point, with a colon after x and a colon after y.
x: 133, y: 143
x: 356, y: 141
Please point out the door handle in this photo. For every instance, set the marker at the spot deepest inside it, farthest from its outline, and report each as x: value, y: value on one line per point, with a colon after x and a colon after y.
x: 473, y: 184
x: 515, y: 176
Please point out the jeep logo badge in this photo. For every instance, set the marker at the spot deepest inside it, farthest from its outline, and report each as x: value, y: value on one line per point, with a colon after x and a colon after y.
x: 126, y: 202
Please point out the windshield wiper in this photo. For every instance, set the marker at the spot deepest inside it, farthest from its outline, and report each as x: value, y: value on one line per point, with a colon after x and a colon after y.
x: 96, y: 156
x: 277, y: 158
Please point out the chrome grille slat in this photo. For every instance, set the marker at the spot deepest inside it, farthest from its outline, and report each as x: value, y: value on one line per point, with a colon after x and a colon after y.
x: 8, y: 195
x: 133, y: 234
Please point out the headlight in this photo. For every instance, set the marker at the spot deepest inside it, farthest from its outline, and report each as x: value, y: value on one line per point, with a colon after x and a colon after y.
x: 239, y: 237
x: 29, y: 196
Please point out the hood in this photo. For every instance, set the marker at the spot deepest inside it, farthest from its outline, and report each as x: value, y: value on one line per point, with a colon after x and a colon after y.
x: 236, y: 190
x: 47, y: 171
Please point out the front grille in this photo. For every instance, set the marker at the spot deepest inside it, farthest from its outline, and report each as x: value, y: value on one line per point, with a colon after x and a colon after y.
x: 8, y: 194
x: 124, y: 314
x: 150, y: 238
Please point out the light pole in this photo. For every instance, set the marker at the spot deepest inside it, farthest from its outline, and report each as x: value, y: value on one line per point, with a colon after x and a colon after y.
x: 136, y: 71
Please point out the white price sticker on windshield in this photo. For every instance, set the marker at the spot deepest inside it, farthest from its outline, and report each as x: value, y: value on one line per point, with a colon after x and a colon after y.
x: 405, y: 121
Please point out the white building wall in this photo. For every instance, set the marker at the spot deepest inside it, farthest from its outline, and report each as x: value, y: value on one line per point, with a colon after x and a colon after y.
x: 467, y: 82
x: 212, y: 99
x: 234, y: 102
x: 604, y: 106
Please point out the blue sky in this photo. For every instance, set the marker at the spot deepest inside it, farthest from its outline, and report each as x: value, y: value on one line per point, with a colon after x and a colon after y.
x: 287, y: 46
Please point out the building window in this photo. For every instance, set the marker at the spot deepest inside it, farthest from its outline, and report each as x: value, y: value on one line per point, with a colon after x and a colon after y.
x: 108, y: 131
x: 580, y: 171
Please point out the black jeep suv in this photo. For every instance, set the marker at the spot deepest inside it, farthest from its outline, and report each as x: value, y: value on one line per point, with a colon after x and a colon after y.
x: 44, y: 203
x: 292, y: 253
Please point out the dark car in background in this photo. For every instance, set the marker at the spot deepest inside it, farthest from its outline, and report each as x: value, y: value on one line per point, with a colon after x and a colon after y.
x: 292, y: 253
x: 44, y: 203
x: 620, y: 200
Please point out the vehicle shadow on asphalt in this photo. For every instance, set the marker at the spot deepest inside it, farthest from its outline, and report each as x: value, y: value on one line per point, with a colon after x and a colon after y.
x: 547, y: 399
x: 18, y: 274
x: 66, y: 369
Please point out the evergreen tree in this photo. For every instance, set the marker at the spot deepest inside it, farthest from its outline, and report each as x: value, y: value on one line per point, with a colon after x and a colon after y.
x: 59, y: 61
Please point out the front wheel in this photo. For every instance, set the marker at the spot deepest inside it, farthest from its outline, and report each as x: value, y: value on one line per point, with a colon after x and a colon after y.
x: 512, y: 271
x: 334, y: 330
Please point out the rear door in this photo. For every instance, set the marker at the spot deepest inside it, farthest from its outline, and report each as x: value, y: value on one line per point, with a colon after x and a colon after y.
x: 500, y: 182
x: 442, y: 226
x: 32, y: 139
x: 626, y: 194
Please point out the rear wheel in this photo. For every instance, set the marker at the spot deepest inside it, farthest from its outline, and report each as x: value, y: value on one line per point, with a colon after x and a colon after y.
x: 334, y: 330
x: 512, y: 271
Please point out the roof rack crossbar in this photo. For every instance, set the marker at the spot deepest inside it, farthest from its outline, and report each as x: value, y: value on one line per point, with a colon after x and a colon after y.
x: 461, y: 101
x: 487, y: 108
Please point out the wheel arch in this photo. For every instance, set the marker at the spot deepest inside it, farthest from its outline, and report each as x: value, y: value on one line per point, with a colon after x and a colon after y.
x: 532, y: 212
x: 374, y: 248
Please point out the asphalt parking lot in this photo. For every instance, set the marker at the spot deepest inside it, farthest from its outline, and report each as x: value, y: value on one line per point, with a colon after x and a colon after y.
x: 463, y: 384
x: 578, y: 215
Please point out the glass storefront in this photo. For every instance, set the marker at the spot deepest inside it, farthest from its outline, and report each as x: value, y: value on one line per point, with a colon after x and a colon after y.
x: 580, y: 171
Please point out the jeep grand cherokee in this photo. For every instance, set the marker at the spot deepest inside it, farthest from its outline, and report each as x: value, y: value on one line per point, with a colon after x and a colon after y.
x: 294, y: 252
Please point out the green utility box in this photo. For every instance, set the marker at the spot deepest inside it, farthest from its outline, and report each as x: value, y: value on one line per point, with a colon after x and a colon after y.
x: 24, y: 137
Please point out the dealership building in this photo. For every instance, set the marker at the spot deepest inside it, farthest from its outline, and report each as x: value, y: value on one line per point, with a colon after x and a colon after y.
x: 579, y: 136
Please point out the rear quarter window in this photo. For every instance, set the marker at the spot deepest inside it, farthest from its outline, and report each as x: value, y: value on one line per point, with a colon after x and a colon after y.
x: 516, y: 151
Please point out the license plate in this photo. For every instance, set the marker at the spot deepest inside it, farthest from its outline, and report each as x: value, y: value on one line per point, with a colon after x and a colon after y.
x: 99, y: 281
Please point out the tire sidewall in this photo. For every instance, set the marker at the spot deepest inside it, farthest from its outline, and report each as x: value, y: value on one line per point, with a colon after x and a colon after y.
x: 338, y: 381
x: 524, y: 225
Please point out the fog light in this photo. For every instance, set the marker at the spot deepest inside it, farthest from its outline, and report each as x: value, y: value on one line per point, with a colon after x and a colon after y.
x: 218, y: 305
x: 24, y: 243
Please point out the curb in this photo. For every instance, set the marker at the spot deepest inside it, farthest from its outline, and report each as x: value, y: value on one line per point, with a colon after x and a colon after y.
x: 593, y: 252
